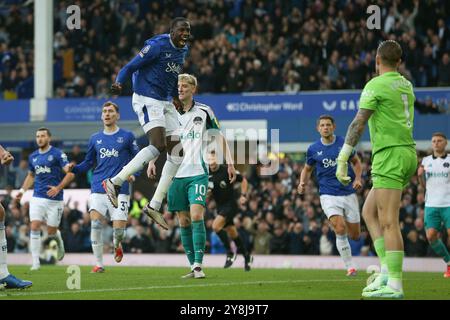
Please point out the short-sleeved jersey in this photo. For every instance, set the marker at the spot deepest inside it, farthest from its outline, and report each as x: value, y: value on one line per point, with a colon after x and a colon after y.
x: 155, y: 68
x: 47, y: 168
x: 219, y: 183
x: 109, y: 152
x: 323, y: 157
x: 193, y: 130
x: 391, y: 97
x: 437, y: 177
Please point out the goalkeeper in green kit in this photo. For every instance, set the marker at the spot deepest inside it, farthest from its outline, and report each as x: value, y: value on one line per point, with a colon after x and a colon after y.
x: 387, y: 103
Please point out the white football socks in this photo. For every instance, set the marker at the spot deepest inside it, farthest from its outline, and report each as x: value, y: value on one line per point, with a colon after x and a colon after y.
x: 3, y: 251
x: 168, y: 172
x: 144, y: 156
x: 35, y: 246
x: 97, y: 241
x: 345, y: 250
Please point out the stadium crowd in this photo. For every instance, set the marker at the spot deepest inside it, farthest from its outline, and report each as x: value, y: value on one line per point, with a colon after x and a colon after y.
x: 237, y: 45
x: 275, y: 220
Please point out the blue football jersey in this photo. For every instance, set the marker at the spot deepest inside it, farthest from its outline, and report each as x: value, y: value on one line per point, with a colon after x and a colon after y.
x: 155, y: 69
x: 323, y: 157
x: 110, y: 152
x: 48, y: 171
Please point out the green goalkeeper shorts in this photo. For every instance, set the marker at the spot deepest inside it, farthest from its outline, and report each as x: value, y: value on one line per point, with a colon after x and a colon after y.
x: 393, y: 167
x: 186, y: 191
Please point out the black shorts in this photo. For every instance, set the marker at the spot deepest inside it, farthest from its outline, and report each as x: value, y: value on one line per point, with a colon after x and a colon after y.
x: 228, y: 210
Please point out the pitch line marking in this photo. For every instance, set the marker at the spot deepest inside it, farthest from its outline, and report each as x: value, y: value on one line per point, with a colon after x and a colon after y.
x: 21, y: 294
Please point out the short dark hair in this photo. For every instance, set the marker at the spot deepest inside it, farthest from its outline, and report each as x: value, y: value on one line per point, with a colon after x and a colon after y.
x: 174, y: 22
x: 325, y: 117
x: 390, y: 52
x: 110, y: 103
x: 45, y: 129
x: 439, y: 134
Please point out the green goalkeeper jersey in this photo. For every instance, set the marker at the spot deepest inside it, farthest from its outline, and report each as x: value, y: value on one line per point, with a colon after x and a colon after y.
x: 391, y: 97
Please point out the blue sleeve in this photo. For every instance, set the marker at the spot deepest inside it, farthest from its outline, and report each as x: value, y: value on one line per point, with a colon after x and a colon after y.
x: 30, y: 164
x: 145, y: 56
x: 62, y: 160
x: 88, y: 161
x: 310, y: 161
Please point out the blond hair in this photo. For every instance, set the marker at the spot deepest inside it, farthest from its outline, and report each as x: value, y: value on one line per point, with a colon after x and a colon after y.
x: 189, y: 78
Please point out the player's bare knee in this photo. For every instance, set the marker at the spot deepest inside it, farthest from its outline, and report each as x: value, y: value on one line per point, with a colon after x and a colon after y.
x: 185, y: 221
x: 432, y: 235
x: 35, y: 225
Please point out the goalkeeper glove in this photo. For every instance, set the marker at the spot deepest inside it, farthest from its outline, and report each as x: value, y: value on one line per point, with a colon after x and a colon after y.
x: 342, y: 164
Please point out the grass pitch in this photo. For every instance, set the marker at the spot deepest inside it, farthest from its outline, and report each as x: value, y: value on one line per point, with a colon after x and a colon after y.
x: 49, y: 283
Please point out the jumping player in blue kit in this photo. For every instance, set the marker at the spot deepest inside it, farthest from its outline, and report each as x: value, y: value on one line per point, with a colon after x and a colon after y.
x: 109, y: 150
x: 155, y: 85
x: 338, y: 202
x: 47, y: 166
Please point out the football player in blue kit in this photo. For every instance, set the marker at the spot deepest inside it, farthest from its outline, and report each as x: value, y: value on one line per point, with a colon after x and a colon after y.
x: 47, y: 166
x: 7, y: 280
x: 339, y: 203
x: 154, y: 74
x: 109, y: 150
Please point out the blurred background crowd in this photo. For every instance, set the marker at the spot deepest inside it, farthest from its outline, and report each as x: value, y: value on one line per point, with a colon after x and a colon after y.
x: 275, y: 220
x: 237, y: 45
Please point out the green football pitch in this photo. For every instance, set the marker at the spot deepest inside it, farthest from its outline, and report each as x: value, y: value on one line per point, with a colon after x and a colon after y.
x: 224, y: 284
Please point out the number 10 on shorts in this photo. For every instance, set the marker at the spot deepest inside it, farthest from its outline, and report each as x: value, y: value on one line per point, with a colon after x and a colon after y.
x: 200, y: 188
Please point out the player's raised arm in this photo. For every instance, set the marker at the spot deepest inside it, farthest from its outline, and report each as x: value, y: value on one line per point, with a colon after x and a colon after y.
x: 6, y: 157
x: 147, y: 54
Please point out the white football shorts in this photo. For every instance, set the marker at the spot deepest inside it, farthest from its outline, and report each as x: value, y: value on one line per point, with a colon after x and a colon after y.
x: 154, y: 113
x: 100, y: 203
x: 346, y: 206
x: 47, y: 210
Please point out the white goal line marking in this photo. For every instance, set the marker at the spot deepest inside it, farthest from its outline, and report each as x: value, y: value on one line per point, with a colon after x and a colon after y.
x: 18, y: 294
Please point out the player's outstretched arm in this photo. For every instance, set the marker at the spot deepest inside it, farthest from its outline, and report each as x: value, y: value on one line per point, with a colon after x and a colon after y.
x: 68, y: 178
x: 305, y: 175
x: 357, y: 167
x: 27, y: 184
x: 354, y: 133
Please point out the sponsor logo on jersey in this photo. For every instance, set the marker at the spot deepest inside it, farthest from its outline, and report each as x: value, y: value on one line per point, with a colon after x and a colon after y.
x: 44, y: 169
x: 328, y: 163
x: 34, y: 159
x: 168, y: 55
x: 319, y: 153
x: 106, y: 153
x: 173, y: 67
x: 191, y: 135
x: 99, y: 141
x: 199, y: 198
x: 437, y: 174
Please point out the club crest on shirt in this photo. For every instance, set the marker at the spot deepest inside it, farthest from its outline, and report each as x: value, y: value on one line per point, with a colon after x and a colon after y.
x: 446, y: 165
x: 198, y: 121
x: 144, y: 51
x: 120, y: 140
x: 50, y: 158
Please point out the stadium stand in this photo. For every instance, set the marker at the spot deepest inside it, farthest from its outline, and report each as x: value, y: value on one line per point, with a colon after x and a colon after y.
x: 236, y: 46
